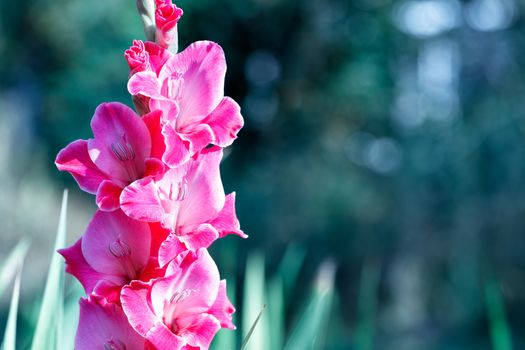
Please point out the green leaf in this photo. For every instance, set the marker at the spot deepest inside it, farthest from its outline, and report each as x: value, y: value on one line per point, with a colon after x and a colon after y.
x: 310, y: 331
x: 11, y: 264
x: 9, y: 342
x: 254, y: 298
x: 290, y: 266
x: 276, y: 313
x: 252, y: 329
x: 71, y: 313
x: 499, y: 328
x: 49, y: 325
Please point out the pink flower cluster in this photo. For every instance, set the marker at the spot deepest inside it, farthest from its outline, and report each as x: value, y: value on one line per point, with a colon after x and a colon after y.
x: 143, y: 259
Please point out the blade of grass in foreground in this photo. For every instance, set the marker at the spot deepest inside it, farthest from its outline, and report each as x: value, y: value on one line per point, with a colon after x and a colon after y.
x: 276, y: 313
x: 252, y: 328
x: 310, y: 331
x: 499, y: 329
x: 71, y: 312
x: 254, y: 297
x: 49, y: 320
x: 11, y: 264
x: 9, y: 342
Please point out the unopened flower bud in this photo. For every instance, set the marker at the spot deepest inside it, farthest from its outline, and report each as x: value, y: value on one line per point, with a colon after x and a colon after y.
x: 166, y: 17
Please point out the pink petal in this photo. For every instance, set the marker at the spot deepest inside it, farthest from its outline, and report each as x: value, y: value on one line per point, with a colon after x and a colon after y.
x: 193, y: 288
x: 203, y: 67
x: 170, y: 248
x: 158, y: 236
x: 153, y: 123
x: 145, y: 83
x: 116, y: 245
x: 135, y: 302
x: 223, y: 309
x: 157, y: 55
x: 225, y: 121
x: 199, y: 330
x: 108, y: 196
x: 162, y: 338
x: 226, y: 221
x: 154, y: 167
x: 184, y: 197
x: 199, y: 138
x: 74, y: 158
x: 77, y: 266
x: 103, y: 324
x: 205, y: 194
x: 200, y: 237
x: 122, y: 142
x: 134, y: 298
x: 177, y: 150
x: 140, y: 201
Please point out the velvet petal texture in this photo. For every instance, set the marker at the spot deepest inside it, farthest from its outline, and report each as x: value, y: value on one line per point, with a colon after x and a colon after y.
x: 185, y: 308
x: 104, y: 325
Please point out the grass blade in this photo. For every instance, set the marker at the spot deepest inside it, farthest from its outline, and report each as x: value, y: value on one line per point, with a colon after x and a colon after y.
x: 48, y: 327
x: 290, y: 266
x: 252, y: 328
x: 253, y: 297
x: 71, y: 313
x: 499, y: 329
x: 276, y: 312
x: 9, y: 342
x: 310, y: 331
x: 11, y: 264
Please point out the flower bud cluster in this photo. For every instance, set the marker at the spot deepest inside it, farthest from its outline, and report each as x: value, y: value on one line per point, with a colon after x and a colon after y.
x: 150, y: 282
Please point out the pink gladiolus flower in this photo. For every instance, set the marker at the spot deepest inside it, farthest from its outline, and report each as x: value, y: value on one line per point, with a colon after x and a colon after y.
x: 189, y: 89
x: 103, y: 325
x: 183, y: 310
x: 114, y: 250
x: 188, y: 200
x: 166, y: 17
x: 119, y: 154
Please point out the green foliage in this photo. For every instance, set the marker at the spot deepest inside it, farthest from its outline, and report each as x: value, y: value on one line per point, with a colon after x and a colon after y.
x: 311, y: 329
x: 13, y: 265
x: 48, y: 332
x: 266, y: 305
x: 499, y: 328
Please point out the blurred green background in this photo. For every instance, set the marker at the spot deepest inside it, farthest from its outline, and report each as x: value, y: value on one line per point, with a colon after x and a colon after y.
x: 385, y: 135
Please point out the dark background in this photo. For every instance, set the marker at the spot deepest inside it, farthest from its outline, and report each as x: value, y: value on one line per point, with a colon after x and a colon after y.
x: 377, y: 132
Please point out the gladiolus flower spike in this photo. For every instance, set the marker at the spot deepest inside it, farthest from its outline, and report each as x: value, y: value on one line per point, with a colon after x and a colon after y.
x: 150, y: 282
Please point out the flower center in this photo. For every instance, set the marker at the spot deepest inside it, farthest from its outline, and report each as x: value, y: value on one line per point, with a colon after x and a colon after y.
x: 170, y: 199
x: 122, y: 252
x: 124, y: 152
x: 170, y: 308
